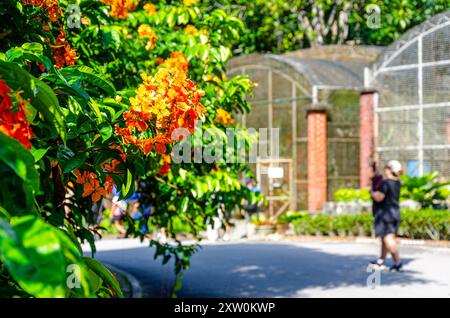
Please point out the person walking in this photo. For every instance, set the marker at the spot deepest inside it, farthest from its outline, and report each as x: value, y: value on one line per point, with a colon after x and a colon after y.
x: 386, y: 211
x: 118, y: 211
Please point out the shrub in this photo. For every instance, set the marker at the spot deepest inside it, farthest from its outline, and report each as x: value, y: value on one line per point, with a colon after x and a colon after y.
x: 350, y: 195
x: 261, y: 219
x: 291, y: 216
x: 426, y: 190
x: 426, y: 224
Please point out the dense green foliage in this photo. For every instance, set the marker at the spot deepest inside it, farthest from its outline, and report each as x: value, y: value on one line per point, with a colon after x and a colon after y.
x: 427, y: 190
x: 281, y: 26
x: 69, y: 88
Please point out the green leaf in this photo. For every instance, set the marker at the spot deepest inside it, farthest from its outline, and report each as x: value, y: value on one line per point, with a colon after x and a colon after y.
x: 4, y: 214
x: 224, y: 53
x: 95, y: 107
x: 89, y: 75
x: 32, y: 253
x: 184, y: 204
x: 38, y: 153
x: 29, y: 52
x: 198, y: 188
x: 73, y: 257
x: 69, y: 164
x: 96, y: 281
x: 106, y: 132
x: 104, y: 274
x: 126, y: 186
x: 182, y: 173
x: 16, y: 156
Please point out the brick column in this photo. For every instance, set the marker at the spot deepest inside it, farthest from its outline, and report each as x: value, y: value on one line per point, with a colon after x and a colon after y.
x: 317, y: 157
x: 366, y: 136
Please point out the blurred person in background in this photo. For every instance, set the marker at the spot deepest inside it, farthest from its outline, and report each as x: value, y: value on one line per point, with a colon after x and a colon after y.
x: 141, y: 207
x: 386, y: 212
x: 118, y: 210
x: 249, y: 207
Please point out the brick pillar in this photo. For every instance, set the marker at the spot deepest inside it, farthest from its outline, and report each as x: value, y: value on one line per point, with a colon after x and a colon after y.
x: 317, y: 158
x: 366, y: 136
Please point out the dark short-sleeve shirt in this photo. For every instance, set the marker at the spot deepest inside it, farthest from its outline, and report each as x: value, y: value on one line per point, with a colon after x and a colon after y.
x: 390, y: 205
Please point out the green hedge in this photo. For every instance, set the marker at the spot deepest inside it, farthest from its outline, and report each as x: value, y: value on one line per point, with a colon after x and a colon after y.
x: 416, y: 224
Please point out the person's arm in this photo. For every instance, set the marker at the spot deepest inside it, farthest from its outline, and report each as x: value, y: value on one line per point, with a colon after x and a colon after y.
x: 377, y: 196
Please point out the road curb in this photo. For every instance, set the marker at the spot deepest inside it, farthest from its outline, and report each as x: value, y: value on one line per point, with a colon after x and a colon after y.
x: 136, y: 288
x: 363, y: 239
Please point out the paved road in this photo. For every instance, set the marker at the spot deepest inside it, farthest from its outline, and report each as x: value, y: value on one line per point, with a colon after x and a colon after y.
x: 299, y: 269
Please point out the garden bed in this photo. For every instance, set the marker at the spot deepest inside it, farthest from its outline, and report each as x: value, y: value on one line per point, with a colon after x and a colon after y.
x: 426, y: 224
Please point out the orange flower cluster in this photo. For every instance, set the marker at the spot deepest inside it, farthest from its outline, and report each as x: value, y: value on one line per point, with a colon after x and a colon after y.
x: 165, y: 168
x: 177, y: 60
x: 63, y: 53
x: 223, y: 117
x: 120, y: 8
x: 189, y: 3
x: 91, y: 185
x: 110, y: 167
x: 166, y: 101
x: 13, y: 121
x: 146, y: 32
x: 150, y: 9
x: 190, y: 30
x: 49, y: 7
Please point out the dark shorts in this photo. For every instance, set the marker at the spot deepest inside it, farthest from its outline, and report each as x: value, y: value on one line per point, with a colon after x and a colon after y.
x: 382, y: 228
x: 118, y: 217
x: 385, y: 222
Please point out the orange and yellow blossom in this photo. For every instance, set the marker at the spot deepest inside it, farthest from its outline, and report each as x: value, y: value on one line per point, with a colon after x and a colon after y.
x: 223, y: 117
x: 13, y: 121
x: 165, y: 168
x: 91, y: 185
x: 166, y: 101
x: 190, y: 30
x: 150, y: 9
x: 120, y: 8
x: 63, y: 53
x: 177, y: 60
x: 146, y: 32
x: 188, y: 3
x: 49, y: 7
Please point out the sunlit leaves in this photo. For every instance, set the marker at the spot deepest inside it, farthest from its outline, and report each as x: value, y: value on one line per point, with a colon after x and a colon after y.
x: 104, y: 275
x: 17, y: 166
x: 37, y: 256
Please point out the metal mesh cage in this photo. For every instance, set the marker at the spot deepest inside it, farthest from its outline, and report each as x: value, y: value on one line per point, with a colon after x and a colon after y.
x: 342, y: 139
x: 398, y: 127
x: 412, y: 77
x: 287, y: 86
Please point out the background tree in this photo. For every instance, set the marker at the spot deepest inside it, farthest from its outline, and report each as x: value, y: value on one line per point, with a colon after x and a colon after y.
x: 280, y: 26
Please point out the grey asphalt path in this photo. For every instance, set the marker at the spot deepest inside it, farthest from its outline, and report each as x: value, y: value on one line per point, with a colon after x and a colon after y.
x: 286, y: 269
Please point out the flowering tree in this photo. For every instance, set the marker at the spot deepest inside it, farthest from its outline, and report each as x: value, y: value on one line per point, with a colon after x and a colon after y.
x: 92, y: 96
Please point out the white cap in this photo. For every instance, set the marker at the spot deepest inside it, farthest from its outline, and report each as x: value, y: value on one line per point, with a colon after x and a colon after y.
x: 395, y: 166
